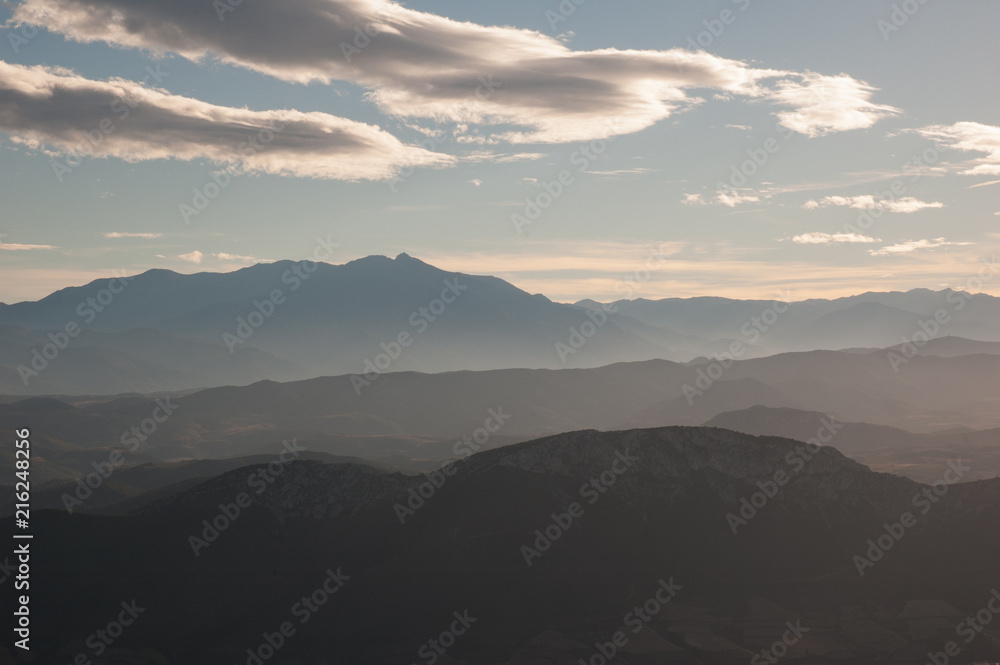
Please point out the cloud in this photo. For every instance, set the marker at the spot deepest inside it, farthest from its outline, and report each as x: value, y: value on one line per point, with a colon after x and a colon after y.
x: 914, y: 245
x: 530, y: 87
x: 985, y: 184
x: 732, y: 198
x: 225, y: 256
x: 745, y: 128
x: 191, y: 257
x: 51, y: 107
x: 147, y: 236
x: 826, y: 104
x: 9, y: 247
x: 829, y: 238
x: 727, y: 197
x: 868, y: 202
x: 620, y: 172
x: 476, y: 182
x: 970, y: 137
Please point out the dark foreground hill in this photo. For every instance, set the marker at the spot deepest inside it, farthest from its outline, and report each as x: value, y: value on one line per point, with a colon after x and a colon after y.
x: 683, y: 545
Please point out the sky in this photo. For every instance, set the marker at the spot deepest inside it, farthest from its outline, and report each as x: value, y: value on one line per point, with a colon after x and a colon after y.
x: 576, y: 148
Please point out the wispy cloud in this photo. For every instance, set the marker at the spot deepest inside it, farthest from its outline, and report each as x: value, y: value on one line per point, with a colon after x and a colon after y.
x: 225, y: 256
x: 970, y: 137
x: 526, y: 86
x: 868, y: 202
x: 620, y: 172
x: 832, y: 238
x: 13, y: 247
x: 913, y: 246
x: 729, y: 198
x: 147, y: 236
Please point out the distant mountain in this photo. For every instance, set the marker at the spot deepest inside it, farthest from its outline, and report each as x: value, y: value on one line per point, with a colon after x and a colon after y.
x: 546, y: 550
x: 922, y: 457
x: 870, y: 320
x: 416, y: 421
x: 133, y: 361
x: 402, y: 314
x: 161, y: 330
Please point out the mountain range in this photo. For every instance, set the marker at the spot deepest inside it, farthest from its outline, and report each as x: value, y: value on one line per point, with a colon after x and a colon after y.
x: 164, y: 331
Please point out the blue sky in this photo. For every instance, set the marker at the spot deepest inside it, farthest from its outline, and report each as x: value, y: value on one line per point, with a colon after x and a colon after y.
x: 875, y: 133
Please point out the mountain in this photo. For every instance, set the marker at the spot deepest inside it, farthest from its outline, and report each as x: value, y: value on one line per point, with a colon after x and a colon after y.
x: 401, y: 313
x: 922, y: 457
x: 164, y: 331
x: 635, y: 532
x: 870, y: 320
x: 138, y: 360
x: 416, y: 421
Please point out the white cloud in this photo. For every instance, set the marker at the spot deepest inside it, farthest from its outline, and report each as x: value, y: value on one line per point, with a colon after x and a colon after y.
x: 147, y: 236
x: 727, y: 197
x: 868, y: 202
x: 476, y: 182
x: 529, y: 87
x: 732, y: 198
x: 620, y: 172
x: 828, y: 238
x: 191, y: 257
x: 10, y: 247
x: 970, y: 137
x: 914, y: 245
x: 224, y: 256
x: 45, y: 106
x: 826, y: 104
